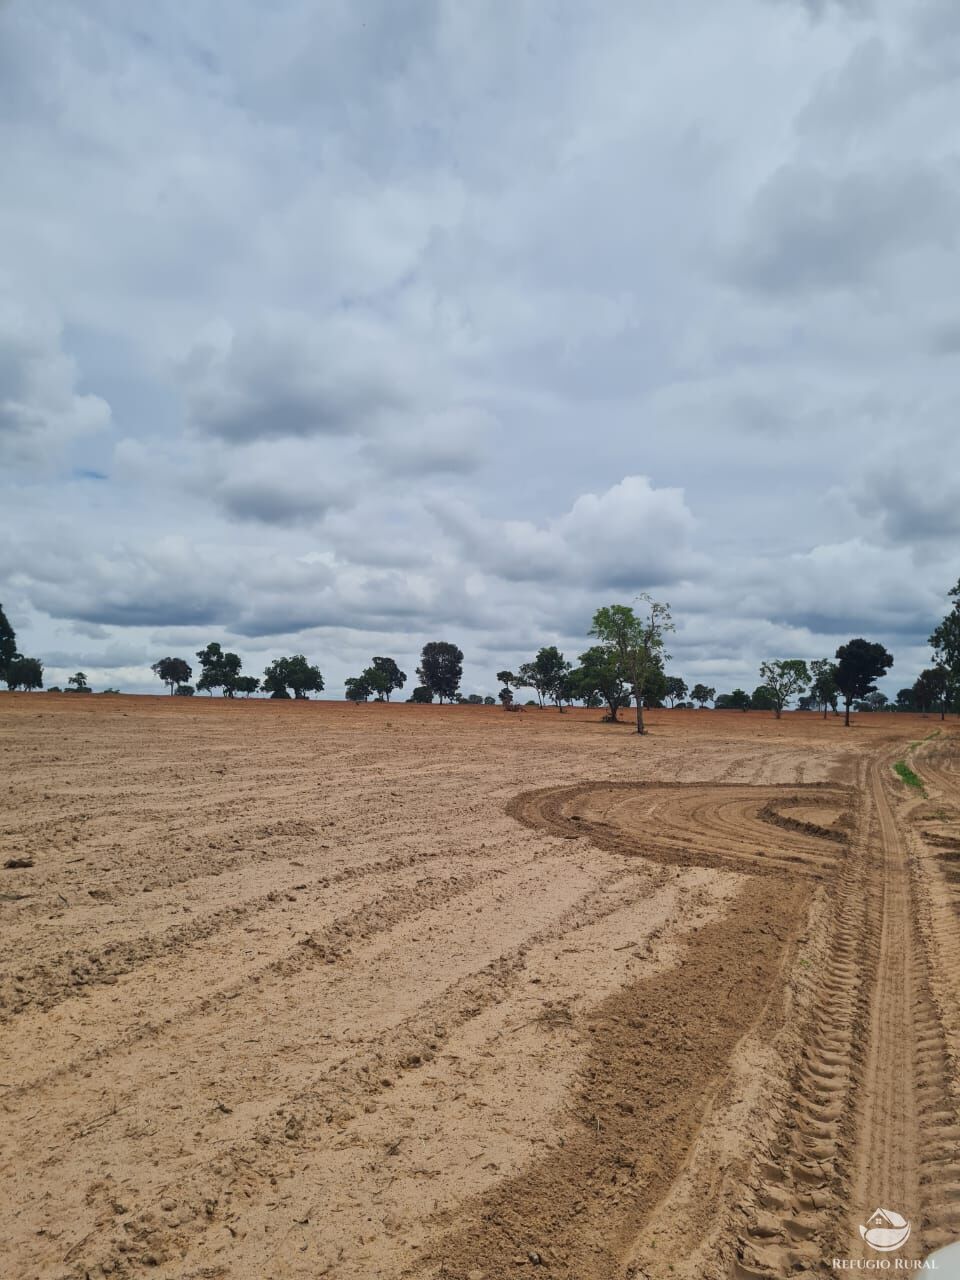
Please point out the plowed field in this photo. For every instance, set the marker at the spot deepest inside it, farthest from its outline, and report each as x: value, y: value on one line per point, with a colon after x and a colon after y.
x: 307, y: 990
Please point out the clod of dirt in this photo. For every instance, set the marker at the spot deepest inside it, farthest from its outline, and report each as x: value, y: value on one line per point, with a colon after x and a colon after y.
x: 15, y: 864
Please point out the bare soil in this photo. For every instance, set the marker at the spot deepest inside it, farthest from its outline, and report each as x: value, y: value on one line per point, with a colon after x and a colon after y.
x: 308, y: 990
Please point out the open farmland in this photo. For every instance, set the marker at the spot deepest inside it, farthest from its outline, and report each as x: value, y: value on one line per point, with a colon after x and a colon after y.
x: 304, y: 990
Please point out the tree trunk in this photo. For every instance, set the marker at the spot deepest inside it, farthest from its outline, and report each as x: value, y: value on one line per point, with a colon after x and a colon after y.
x: 776, y: 712
x: 846, y: 718
x: 640, y: 728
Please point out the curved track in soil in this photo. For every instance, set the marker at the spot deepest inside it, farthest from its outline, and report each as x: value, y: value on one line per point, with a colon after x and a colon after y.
x: 329, y: 991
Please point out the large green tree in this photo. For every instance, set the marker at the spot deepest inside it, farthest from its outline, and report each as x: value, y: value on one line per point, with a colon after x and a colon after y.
x: 739, y: 700
x: 547, y: 674
x: 24, y: 673
x: 294, y: 673
x: 946, y: 650
x: 762, y: 699
x: 219, y: 670
x: 441, y: 668
x: 931, y: 690
x: 8, y: 644
x: 388, y: 676
x: 785, y: 678
x: 860, y: 664
x: 600, y: 674
x: 702, y: 693
x: 357, y: 688
x: 823, y: 687
x: 637, y: 640
x: 675, y: 690
x: 173, y: 671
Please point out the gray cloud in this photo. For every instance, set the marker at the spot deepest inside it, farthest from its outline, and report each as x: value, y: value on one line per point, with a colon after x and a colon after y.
x: 41, y: 409
x: 809, y: 229
x: 288, y: 377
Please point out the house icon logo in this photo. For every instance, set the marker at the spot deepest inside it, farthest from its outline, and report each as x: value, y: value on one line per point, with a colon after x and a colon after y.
x: 885, y: 1230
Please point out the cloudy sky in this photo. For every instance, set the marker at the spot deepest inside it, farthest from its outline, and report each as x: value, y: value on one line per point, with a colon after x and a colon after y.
x: 335, y: 328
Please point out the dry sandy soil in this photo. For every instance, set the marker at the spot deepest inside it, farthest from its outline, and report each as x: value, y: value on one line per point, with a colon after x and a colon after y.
x: 388, y: 991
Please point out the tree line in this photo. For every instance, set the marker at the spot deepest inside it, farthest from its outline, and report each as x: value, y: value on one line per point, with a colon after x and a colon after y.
x: 221, y: 670
x: 625, y: 666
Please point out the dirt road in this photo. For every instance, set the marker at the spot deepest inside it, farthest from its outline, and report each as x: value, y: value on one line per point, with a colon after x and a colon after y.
x: 386, y: 991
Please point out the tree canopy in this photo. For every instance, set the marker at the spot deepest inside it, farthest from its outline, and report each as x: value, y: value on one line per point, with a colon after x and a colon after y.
x: 24, y: 673
x: 860, y: 664
x: 600, y: 674
x: 785, y: 678
x: 739, y: 700
x: 675, y: 690
x: 945, y: 642
x: 823, y: 689
x: 440, y: 669
x: 702, y: 693
x: 8, y: 644
x: 547, y: 674
x: 637, y: 643
x: 219, y: 670
x: 173, y: 671
x: 294, y: 673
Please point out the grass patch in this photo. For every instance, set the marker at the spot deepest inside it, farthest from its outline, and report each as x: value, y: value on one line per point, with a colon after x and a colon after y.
x: 906, y: 774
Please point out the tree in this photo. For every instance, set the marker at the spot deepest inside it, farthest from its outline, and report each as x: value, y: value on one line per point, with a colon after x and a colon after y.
x: 219, y: 670
x: 421, y: 694
x: 527, y: 679
x: 739, y: 700
x: 636, y: 642
x: 389, y: 676
x: 172, y: 671
x: 784, y: 677
x: 489, y: 702
x: 184, y: 691
x: 547, y: 674
x: 79, y: 682
x: 474, y: 699
x: 246, y: 685
x: 357, y: 688
x: 676, y: 690
x: 932, y: 690
x: 701, y: 693
x: 294, y: 673
x: 600, y: 675
x: 507, y: 678
x: 506, y: 698
x: 8, y: 644
x: 441, y: 668
x: 906, y: 699
x: 823, y: 689
x: 946, y: 650
x: 859, y: 665
x: 762, y: 699
x: 24, y: 673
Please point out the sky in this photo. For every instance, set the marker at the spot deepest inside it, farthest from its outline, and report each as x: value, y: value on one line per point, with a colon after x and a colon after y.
x: 334, y: 329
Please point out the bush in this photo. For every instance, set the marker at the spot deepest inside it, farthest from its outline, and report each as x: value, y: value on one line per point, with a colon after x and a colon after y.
x: 184, y: 691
